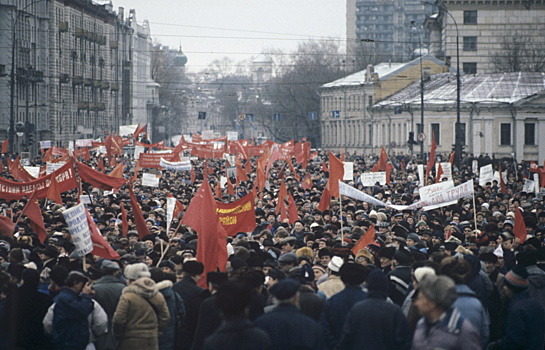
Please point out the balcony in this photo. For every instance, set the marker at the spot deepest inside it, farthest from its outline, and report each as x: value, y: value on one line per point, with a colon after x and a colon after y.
x: 104, y: 85
x: 79, y: 32
x: 101, y: 106
x: 87, y: 82
x: 114, y: 87
x: 64, y: 78
x: 63, y: 27
x: 92, y: 106
x: 77, y: 80
x: 83, y: 105
x: 114, y: 45
x: 96, y: 83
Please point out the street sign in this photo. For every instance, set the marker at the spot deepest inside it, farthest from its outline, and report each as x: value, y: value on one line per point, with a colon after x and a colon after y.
x: 335, y: 114
x: 421, y: 137
x: 241, y: 117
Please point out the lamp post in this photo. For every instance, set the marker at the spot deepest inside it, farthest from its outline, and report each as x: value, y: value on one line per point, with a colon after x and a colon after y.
x: 11, y: 133
x: 459, y: 137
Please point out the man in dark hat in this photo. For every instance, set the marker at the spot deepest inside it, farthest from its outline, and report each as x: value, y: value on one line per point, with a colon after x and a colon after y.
x: 386, y: 255
x: 400, y: 276
x: 287, y: 327
x: 192, y: 295
x: 209, y: 317
x: 375, y: 322
x: 525, y: 321
x: 336, y: 308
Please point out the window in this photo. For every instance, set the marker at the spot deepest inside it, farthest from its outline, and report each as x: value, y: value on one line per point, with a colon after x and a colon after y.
x: 370, y: 100
x: 470, y: 43
x: 529, y: 134
x: 470, y: 17
x: 505, y: 134
x: 463, y: 133
x: 470, y: 68
x: 436, y: 132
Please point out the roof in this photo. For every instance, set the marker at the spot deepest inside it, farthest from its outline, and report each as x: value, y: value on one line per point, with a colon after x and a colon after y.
x: 493, y: 88
x: 384, y: 71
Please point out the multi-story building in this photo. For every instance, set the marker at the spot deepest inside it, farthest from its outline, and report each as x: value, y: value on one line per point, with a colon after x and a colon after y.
x: 24, y: 72
x: 71, y: 69
x: 345, y: 114
x: 501, y: 113
x: 382, y: 30
x: 508, y: 32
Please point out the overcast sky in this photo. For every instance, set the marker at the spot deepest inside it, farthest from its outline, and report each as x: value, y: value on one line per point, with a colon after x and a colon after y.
x: 239, y: 29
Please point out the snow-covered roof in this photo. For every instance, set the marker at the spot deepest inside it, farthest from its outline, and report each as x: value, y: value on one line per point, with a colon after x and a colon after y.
x: 384, y: 71
x: 262, y: 58
x: 491, y: 88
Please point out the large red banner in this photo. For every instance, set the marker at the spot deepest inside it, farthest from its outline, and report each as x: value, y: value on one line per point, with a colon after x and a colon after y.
x: 238, y: 216
x: 152, y: 160
x: 65, y: 177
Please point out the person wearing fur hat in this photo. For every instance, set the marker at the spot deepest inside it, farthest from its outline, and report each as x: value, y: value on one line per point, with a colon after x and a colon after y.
x: 374, y: 321
x: 400, y: 276
x: 525, y: 320
x: 142, y: 312
x: 442, y: 326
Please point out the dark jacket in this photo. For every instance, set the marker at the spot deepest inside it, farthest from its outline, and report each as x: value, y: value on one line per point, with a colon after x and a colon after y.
x: 70, y: 323
x: 400, y: 282
x: 375, y: 324
x: 209, y: 320
x: 238, y: 335
x: 524, y: 324
x: 107, y: 291
x: 289, y: 329
x: 176, y: 310
x: 335, y: 311
x: 31, y: 309
x: 192, y: 295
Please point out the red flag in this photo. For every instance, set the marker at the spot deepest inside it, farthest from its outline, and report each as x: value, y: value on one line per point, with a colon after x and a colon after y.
x: 503, y: 188
x: 100, y: 164
x: 1, y: 166
x: 241, y: 174
x: 139, y: 130
x: 336, y: 174
x: 275, y: 154
x: 342, y: 155
x: 98, y: 179
x: 219, y: 193
x: 139, y: 220
x: 7, y: 226
x: 520, y: 226
x: 237, y: 216
x: 136, y: 171
x: 100, y: 246
x: 193, y: 175
x: 211, y: 243
x: 34, y: 214
x: 293, y: 213
x: 248, y: 166
x: 382, y: 160
x: 324, y: 201
x: 5, y: 146
x: 53, y: 192
x: 118, y: 171
x: 261, y: 178
x: 230, y: 189
x: 451, y: 158
x: 293, y: 170
x: 283, y: 212
x: 439, y: 173
x: 324, y: 167
x: 365, y: 240
x: 431, y: 161
x: 306, y: 184
x: 282, y: 193
x: 280, y: 174
x: 124, y: 221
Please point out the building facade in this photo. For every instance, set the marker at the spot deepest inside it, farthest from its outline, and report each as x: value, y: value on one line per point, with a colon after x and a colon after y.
x: 508, y: 32
x: 80, y: 70
x: 346, y: 103
x: 502, y: 114
x: 386, y: 29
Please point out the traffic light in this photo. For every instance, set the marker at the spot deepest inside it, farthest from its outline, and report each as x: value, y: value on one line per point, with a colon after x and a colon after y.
x: 411, y: 138
x: 20, y: 127
x: 31, y: 140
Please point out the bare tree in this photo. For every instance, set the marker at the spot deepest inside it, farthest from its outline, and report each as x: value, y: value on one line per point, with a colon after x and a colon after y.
x: 520, y: 53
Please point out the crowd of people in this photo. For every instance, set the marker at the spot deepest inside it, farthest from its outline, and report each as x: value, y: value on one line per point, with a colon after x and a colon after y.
x: 455, y: 277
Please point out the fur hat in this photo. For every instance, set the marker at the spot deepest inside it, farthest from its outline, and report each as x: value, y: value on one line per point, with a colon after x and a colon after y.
x: 136, y: 271
x: 193, y: 267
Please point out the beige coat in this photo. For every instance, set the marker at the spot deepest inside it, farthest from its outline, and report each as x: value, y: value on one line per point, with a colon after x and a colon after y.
x: 135, y: 321
x: 332, y: 286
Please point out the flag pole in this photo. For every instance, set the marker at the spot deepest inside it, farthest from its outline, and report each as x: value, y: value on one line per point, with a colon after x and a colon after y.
x: 341, y: 218
x: 475, y: 210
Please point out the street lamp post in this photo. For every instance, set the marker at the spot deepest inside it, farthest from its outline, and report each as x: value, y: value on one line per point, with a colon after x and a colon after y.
x: 11, y: 133
x: 459, y: 137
